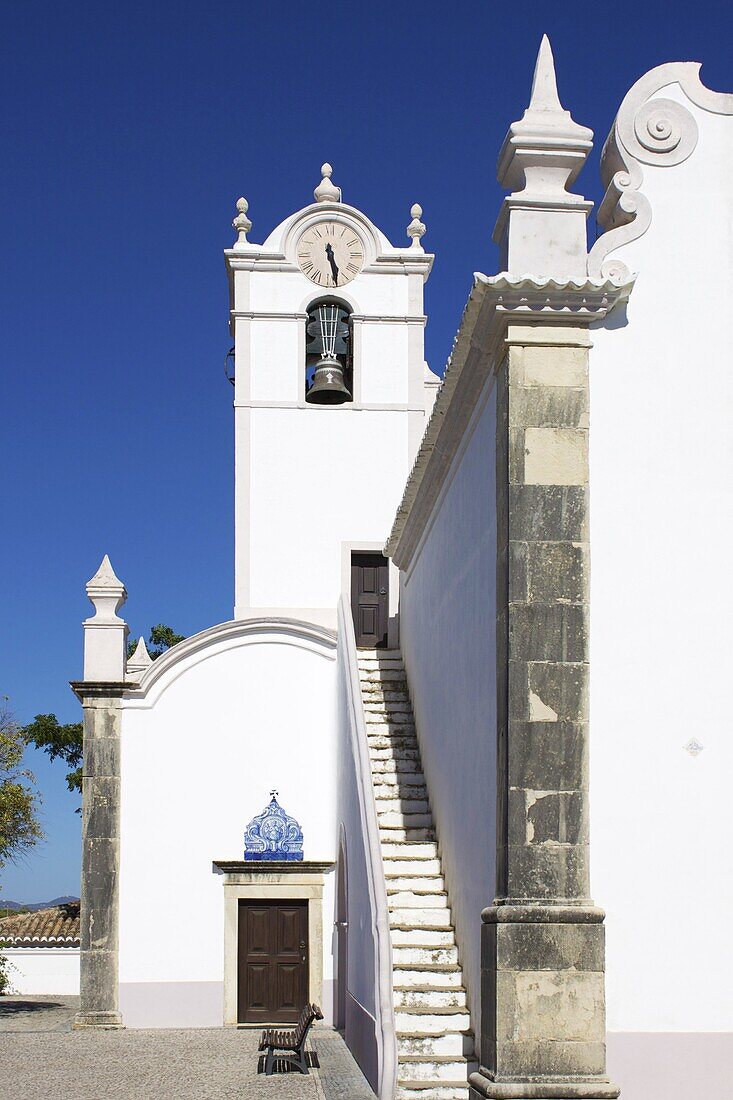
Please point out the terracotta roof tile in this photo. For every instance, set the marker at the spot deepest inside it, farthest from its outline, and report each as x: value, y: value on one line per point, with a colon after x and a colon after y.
x: 46, y: 927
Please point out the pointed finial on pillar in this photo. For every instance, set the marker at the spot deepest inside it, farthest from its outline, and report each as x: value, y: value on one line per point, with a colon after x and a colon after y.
x: 416, y: 228
x: 105, y: 633
x: 541, y: 227
x: 327, y: 191
x: 139, y: 662
x: 241, y: 223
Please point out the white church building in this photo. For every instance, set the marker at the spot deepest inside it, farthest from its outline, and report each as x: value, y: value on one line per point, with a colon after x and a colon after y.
x: 464, y: 793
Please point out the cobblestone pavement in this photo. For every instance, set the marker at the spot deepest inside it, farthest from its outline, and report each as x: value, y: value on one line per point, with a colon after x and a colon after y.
x: 41, y: 1058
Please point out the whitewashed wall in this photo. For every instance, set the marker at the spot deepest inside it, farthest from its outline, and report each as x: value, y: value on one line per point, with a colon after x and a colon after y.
x: 448, y: 638
x: 229, y: 720
x: 35, y: 970
x: 661, y: 458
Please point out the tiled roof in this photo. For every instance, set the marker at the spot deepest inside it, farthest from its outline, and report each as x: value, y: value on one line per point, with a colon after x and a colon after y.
x: 56, y: 927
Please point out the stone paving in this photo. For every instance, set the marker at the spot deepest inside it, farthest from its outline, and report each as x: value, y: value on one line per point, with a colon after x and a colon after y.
x: 41, y: 1057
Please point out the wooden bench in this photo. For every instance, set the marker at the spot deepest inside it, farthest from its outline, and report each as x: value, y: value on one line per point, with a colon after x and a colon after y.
x: 291, y: 1041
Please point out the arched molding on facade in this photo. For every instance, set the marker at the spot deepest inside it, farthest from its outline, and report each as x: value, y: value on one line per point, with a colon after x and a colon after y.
x: 221, y: 639
x: 648, y: 129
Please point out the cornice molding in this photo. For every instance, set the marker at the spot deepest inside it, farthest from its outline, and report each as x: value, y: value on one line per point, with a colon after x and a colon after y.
x: 647, y: 130
x: 495, y: 302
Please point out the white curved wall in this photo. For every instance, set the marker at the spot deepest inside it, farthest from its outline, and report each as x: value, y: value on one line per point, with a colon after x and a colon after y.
x: 233, y: 721
x: 661, y: 462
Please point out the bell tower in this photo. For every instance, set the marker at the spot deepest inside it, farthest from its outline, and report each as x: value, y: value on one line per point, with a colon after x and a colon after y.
x: 331, y: 394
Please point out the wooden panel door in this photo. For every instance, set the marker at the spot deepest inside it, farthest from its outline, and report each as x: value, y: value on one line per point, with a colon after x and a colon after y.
x: 272, y: 961
x: 370, y: 599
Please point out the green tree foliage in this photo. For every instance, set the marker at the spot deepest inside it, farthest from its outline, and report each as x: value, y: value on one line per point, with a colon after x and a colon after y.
x: 161, y: 638
x: 66, y: 742
x: 19, y: 799
x: 60, y: 742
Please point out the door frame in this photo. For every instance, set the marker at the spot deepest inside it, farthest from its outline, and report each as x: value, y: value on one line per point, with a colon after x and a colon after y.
x: 347, y: 548
x: 262, y: 885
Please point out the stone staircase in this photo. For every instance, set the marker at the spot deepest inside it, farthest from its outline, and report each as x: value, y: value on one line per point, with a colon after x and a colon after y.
x: 434, y: 1040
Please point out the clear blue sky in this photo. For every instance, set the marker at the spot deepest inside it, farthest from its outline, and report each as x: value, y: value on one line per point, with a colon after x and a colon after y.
x: 128, y: 132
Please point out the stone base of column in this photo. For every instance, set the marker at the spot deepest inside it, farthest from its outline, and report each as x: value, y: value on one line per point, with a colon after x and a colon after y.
x: 483, y: 1088
x: 106, y: 1021
x: 543, y: 1004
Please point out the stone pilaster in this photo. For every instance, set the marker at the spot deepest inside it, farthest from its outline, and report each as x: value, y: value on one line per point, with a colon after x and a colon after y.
x: 100, y: 863
x: 543, y: 1000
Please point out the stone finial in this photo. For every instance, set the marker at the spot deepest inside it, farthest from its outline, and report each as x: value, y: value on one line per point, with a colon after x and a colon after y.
x: 327, y: 191
x: 416, y: 228
x: 107, y: 592
x: 139, y: 662
x: 541, y: 227
x: 241, y: 223
x: 105, y: 633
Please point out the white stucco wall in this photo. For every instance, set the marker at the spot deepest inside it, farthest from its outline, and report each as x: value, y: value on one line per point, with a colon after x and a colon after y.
x: 661, y: 463
x: 38, y: 970
x: 200, y: 753
x: 319, y: 477
x: 447, y: 632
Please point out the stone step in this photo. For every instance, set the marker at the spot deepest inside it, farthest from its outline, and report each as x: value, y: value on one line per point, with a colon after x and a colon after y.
x: 427, y: 979
x: 407, y: 1090
x: 432, y: 1000
x: 394, y: 819
x: 410, y: 850
x: 449, y: 1068
x: 407, y: 899
x: 392, y: 834
x: 409, y: 917
x: 424, y: 941
x: 369, y: 652
x: 409, y: 868
x: 415, y: 884
x: 380, y: 723
x: 385, y: 673
x: 381, y: 744
x: 393, y: 803
x: 399, y: 791
x: 435, y: 1045
x: 424, y: 956
x: 387, y: 706
x: 394, y: 766
x: 421, y: 1024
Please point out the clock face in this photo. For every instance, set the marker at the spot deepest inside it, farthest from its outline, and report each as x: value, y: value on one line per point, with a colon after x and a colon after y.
x: 330, y: 253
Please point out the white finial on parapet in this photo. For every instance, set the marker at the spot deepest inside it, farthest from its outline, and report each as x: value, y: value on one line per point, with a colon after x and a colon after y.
x: 416, y: 228
x: 241, y: 223
x: 327, y: 191
x: 541, y: 227
x: 139, y: 662
x: 105, y: 633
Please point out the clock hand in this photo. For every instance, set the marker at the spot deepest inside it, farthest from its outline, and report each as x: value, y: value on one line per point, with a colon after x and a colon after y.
x: 332, y: 261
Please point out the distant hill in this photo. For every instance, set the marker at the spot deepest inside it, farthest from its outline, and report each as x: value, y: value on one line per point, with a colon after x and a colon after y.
x: 34, y: 905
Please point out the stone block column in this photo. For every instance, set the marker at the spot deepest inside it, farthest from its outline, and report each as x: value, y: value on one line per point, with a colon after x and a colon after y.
x: 543, y: 999
x: 100, y: 693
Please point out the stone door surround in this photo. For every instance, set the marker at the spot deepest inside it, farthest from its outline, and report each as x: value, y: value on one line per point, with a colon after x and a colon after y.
x: 255, y: 880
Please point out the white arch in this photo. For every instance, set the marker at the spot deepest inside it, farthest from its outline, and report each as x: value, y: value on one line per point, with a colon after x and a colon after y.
x: 220, y: 639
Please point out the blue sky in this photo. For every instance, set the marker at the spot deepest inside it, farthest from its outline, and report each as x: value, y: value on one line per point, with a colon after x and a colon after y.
x: 128, y: 132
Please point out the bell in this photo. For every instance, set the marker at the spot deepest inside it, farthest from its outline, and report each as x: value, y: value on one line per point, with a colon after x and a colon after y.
x: 328, y: 384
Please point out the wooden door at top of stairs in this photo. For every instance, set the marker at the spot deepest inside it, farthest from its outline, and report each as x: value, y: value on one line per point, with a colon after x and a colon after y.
x: 370, y: 599
x: 272, y: 969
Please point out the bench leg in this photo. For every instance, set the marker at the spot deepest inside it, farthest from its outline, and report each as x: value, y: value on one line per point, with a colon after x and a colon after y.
x: 301, y: 1061
x: 269, y: 1062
